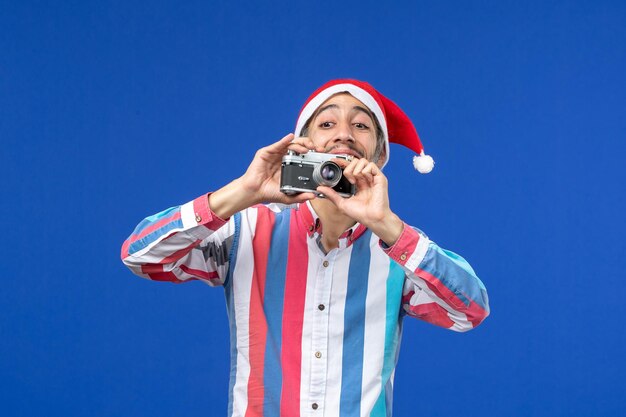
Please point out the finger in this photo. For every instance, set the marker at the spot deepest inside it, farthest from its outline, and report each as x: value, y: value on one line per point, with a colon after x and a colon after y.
x: 331, y: 195
x: 369, y: 171
x: 298, y: 148
x: 367, y: 177
x: 343, y: 163
x: 281, y: 145
x: 348, y: 171
x: 356, y: 172
x: 358, y: 168
x: 301, y: 198
x: 298, y: 198
x: 308, y: 143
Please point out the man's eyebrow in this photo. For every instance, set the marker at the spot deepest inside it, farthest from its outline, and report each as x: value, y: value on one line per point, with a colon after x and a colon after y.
x: 330, y: 106
x: 364, y: 110
x: 334, y: 106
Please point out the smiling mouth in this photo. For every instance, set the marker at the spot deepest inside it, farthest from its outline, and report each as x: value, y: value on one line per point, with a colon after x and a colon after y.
x: 342, y: 149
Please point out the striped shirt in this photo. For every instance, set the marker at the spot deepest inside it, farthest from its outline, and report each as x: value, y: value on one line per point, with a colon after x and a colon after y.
x: 312, y: 333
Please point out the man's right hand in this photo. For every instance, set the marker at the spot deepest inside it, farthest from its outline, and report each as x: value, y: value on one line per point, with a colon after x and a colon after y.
x: 261, y: 182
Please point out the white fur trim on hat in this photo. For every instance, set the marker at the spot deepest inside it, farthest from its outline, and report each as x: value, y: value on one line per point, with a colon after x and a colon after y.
x: 358, y: 93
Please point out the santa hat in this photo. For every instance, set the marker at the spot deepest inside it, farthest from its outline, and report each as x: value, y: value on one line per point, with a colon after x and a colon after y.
x: 395, y: 124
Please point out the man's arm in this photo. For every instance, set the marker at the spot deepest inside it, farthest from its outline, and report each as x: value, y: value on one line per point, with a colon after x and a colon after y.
x: 260, y: 183
x: 193, y: 241
x: 183, y: 243
x: 441, y: 287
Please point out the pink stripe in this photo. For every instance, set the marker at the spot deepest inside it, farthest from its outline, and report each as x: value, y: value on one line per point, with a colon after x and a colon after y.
x: 474, y: 312
x: 432, y: 313
x: 293, y: 317
x: 406, y: 298
x: 179, y: 253
x: 156, y: 273
x: 125, y: 247
x: 201, y: 207
x: 257, y: 321
x: 200, y: 273
x: 155, y: 226
x: 409, y: 240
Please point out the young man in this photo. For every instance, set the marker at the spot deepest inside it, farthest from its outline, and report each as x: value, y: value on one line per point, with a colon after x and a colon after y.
x: 316, y: 288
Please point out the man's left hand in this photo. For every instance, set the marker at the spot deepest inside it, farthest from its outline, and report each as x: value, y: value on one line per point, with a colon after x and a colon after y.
x: 370, y: 205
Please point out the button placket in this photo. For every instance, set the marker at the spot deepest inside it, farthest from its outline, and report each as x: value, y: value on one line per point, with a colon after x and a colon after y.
x: 319, y: 342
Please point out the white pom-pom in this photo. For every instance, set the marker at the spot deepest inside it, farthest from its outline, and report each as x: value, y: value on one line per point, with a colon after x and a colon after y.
x: 423, y: 163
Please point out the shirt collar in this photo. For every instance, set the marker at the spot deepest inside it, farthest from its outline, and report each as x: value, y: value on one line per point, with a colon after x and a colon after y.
x: 313, y: 225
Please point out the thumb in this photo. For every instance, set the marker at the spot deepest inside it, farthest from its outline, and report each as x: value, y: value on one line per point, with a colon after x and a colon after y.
x: 331, y: 195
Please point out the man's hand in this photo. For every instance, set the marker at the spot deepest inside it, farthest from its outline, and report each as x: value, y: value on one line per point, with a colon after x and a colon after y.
x: 370, y: 205
x: 261, y: 182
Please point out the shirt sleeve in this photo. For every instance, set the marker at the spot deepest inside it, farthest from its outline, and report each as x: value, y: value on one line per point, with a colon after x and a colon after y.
x: 180, y: 244
x: 440, y: 286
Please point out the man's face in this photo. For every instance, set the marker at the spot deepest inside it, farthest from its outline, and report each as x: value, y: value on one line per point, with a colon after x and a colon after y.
x: 343, y: 125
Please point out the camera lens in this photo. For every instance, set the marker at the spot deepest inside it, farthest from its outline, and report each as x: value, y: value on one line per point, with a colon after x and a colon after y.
x: 327, y: 173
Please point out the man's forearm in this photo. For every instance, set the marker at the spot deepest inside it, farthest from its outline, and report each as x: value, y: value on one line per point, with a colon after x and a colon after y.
x: 230, y: 199
x: 389, y: 229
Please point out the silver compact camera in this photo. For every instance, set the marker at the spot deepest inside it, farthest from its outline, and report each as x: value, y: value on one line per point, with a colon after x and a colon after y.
x: 302, y: 173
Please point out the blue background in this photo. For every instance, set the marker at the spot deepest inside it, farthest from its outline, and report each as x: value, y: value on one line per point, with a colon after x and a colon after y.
x: 114, y: 110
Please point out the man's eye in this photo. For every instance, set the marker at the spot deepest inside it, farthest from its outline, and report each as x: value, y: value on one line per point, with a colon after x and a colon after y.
x: 326, y: 124
x: 361, y: 126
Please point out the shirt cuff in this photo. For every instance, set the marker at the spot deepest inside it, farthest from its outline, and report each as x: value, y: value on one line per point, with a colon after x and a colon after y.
x: 198, y: 213
x: 410, y: 248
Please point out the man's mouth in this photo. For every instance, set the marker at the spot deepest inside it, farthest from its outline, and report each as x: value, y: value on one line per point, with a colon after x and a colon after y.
x: 345, y: 150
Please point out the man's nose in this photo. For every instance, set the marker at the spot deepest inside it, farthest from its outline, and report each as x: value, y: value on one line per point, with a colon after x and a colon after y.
x: 343, y: 133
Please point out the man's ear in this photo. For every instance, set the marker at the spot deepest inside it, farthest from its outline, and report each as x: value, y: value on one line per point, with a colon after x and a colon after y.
x: 381, y: 158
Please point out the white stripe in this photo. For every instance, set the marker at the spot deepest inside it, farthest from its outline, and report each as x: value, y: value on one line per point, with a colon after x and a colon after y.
x: 418, y: 254
x: 424, y: 295
x: 337, y: 307
x: 188, y: 215
x: 154, y: 254
x: 375, y: 323
x: 241, y: 297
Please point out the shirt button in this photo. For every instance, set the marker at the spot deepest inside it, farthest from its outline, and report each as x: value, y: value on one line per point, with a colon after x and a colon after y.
x: 321, y: 307
x: 325, y: 264
x: 310, y: 228
x: 314, y: 406
x: 198, y: 218
x: 403, y: 257
x: 318, y: 355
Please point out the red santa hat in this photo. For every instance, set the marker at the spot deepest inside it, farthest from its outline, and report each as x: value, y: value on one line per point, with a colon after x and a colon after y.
x: 395, y: 124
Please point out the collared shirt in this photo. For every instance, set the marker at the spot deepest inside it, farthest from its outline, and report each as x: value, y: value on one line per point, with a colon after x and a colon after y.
x: 312, y: 333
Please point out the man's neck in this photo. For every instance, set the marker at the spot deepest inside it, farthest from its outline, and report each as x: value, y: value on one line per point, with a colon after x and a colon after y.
x: 334, y: 223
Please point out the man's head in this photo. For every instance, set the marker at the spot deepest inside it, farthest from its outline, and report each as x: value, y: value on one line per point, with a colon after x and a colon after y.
x: 344, y: 125
x: 388, y: 121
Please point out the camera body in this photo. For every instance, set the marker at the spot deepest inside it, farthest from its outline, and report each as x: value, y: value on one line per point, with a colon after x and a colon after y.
x: 302, y: 173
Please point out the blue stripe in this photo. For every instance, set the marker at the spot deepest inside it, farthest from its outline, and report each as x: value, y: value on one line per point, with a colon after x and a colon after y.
x: 154, y: 236
x: 230, y: 307
x: 155, y: 218
x: 354, y: 328
x: 393, y: 329
x: 273, y: 307
x: 456, y: 274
